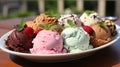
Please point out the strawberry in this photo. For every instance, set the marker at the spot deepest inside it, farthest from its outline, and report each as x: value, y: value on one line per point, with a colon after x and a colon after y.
x: 36, y: 32
x: 29, y: 31
x: 88, y: 29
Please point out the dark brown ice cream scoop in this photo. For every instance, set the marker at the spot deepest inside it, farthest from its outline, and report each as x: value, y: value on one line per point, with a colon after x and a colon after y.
x: 19, y: 41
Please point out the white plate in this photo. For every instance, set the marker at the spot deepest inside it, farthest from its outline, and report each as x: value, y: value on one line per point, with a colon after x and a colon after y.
x: 55, y: 57
x: 113, y: 18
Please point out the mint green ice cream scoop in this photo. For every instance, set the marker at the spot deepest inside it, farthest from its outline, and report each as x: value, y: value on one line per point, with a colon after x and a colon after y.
x: 75, y: 39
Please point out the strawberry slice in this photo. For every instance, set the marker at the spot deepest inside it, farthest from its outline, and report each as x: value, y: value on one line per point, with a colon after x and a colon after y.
x: 88, y: 29
x: 36, y: 32
x: 29, y: 31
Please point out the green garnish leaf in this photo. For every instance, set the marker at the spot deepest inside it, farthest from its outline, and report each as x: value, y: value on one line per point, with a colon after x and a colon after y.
x: 66, y: 27
x: 49, y: 26
x: 89, y: 12
x: 42, y: 26
x: 71, y: 23
x: 102, y: 24
x: 21, y: 25
x: 54, y: 27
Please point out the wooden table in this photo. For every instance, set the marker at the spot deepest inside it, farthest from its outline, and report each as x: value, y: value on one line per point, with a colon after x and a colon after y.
x: 107, y: 57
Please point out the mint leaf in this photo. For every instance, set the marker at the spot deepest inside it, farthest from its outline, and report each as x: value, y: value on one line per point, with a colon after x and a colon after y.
x: 66, y: 27
x: 21, y: 25
x: 102, y: 24
x: 42, y: 26
x: 49, y: 26
x: 54, y: 27
x: 71, y: 23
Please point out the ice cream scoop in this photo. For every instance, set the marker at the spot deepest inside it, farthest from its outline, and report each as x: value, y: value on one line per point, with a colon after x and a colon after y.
x: 75, y: 39
x: 103, y: 29
x: 47, y: 42
x: 44, y: 20
x: 102, y: 35
x: 89, y: 18
x: 111, y: 25
x: 63, y: 19
x: 19, y: 41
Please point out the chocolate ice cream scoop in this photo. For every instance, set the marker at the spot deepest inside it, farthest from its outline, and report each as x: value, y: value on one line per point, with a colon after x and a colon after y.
x: 19, y: 41
x: 111, y: 26
x: 102, y: 35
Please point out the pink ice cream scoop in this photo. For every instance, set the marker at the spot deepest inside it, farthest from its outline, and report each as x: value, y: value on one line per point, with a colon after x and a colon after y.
x: 47, y: 42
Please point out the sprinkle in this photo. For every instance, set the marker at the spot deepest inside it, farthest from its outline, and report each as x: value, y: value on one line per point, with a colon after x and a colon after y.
x: 42, y: 41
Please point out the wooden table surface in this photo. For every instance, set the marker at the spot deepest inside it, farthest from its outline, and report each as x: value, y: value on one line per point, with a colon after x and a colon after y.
x: 107, y: 57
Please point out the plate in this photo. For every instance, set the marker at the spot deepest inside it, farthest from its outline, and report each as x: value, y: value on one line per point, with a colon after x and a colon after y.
x: 112, y: 18
x: 55, y: 57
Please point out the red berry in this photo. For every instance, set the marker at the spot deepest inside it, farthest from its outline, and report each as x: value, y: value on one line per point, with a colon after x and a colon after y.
x: 88, y: 29
x: 36, y: 32
x: 29, y: 31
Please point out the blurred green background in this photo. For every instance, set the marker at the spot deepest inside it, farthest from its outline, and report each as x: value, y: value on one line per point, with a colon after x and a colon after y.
x: 51, y: 8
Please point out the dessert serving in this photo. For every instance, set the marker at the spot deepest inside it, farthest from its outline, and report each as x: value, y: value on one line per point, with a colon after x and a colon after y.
x: 20, y: 39
x: 67, y: 34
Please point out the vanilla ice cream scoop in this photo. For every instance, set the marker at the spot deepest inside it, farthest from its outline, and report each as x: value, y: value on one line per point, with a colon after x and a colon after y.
x: 64, y: 18
x: 89, y: 19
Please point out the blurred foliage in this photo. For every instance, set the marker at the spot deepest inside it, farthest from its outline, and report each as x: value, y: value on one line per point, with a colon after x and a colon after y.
x: 32, y: 5
x: 50, y: 5
x: 1, y: 17
x: 53, y: 13
x: 70, y: 3
x: 51, y: 8
x: 78, y: 11
x: 90, y: 5
x: 21, y: 14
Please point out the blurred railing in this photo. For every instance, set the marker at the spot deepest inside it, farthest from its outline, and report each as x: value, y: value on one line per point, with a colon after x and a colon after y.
x: 60, y: 4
